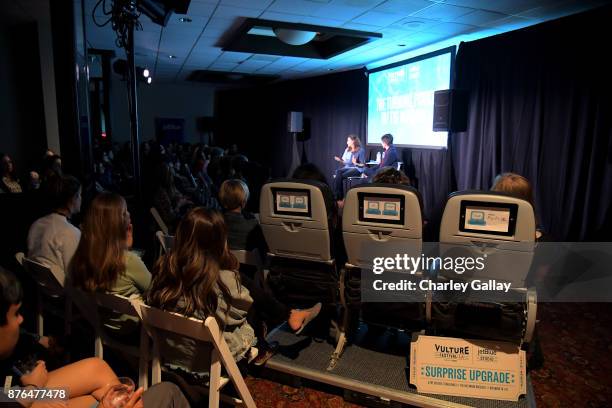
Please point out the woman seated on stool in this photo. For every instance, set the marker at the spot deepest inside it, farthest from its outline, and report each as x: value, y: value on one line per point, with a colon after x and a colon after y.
x: 353, y: 160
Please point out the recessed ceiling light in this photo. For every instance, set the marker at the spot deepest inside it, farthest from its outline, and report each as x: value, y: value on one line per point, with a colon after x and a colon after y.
x: 294, y: 37
x: 185, y: 20
x: 266, y: 31
x: 172, y: 56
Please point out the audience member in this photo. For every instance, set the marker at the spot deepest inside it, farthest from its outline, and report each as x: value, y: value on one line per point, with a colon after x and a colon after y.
x: 103, y: 260
x: 170, y: 203
x: 52, y: 239
x: 198, y: 171
x: 240, y: 165
x: 390, y: 175
x: 517, y: 186
x: 34, y: 181
x: 206, y: 191
x: 86, y: 381
x: 199, y: 278
x: 203, y: 263
x: 9, y: 183
x: 184, y: 183
x: 243, y: 230
x: 52, y: 166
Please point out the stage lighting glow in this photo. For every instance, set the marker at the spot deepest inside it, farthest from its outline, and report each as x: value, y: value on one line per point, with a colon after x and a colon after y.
x: 145, y: 73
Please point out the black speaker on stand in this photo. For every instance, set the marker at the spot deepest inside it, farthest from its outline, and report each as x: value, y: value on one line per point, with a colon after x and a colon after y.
x: 450, y: 110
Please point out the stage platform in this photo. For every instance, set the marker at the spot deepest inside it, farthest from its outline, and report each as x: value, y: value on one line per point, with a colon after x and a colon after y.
x: 380, y: 377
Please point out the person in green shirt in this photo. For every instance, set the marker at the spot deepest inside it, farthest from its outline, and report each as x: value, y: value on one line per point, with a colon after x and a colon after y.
x: 103, y: 261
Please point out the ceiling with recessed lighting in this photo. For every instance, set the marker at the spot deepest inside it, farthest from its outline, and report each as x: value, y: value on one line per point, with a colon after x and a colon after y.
x: 195, y: 40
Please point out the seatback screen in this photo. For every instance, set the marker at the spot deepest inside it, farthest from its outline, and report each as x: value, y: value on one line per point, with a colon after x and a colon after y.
x: 381, y: 208
x: 488, y: 218
x: 292, y: 202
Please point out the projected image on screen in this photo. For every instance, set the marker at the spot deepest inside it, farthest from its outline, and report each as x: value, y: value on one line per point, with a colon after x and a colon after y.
x: 381, y: 208
x: 292, y: 202
x: 401, y: 102
x: 487, y: 219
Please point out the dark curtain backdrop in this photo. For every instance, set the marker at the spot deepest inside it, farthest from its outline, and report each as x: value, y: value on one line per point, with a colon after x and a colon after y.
x: 256, y: 119
x: 540, y: 106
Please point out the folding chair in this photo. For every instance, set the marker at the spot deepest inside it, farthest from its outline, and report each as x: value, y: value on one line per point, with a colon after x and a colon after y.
x: 166, y: 242
x: 250, y: 263
x: 248, y: 257
x: 48, y: 288
x: 162, y: 325
x: 90, y: 303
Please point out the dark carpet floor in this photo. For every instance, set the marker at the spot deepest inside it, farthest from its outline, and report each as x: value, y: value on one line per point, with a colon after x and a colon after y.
x: 576, y: 342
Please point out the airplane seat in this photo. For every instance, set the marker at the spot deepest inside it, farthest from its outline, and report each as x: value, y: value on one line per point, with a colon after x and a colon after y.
x: 296, y: 220
x: 500, y: 230
x: 382, y: 220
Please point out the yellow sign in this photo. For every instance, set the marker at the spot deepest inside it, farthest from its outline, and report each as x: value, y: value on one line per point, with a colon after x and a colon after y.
x: 468, y: 368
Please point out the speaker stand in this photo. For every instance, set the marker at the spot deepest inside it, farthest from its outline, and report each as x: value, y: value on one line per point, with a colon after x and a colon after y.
x: 304, y: 157
x: 295, y: 154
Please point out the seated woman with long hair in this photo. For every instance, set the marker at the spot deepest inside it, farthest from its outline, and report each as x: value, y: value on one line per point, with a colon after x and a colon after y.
x: 103, y: 261
x: 199, y: 278
x: 353, y: 160
x: 9, y: 183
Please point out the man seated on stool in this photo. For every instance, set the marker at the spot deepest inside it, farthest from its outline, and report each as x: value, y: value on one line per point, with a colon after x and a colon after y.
x: 389, y: 156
